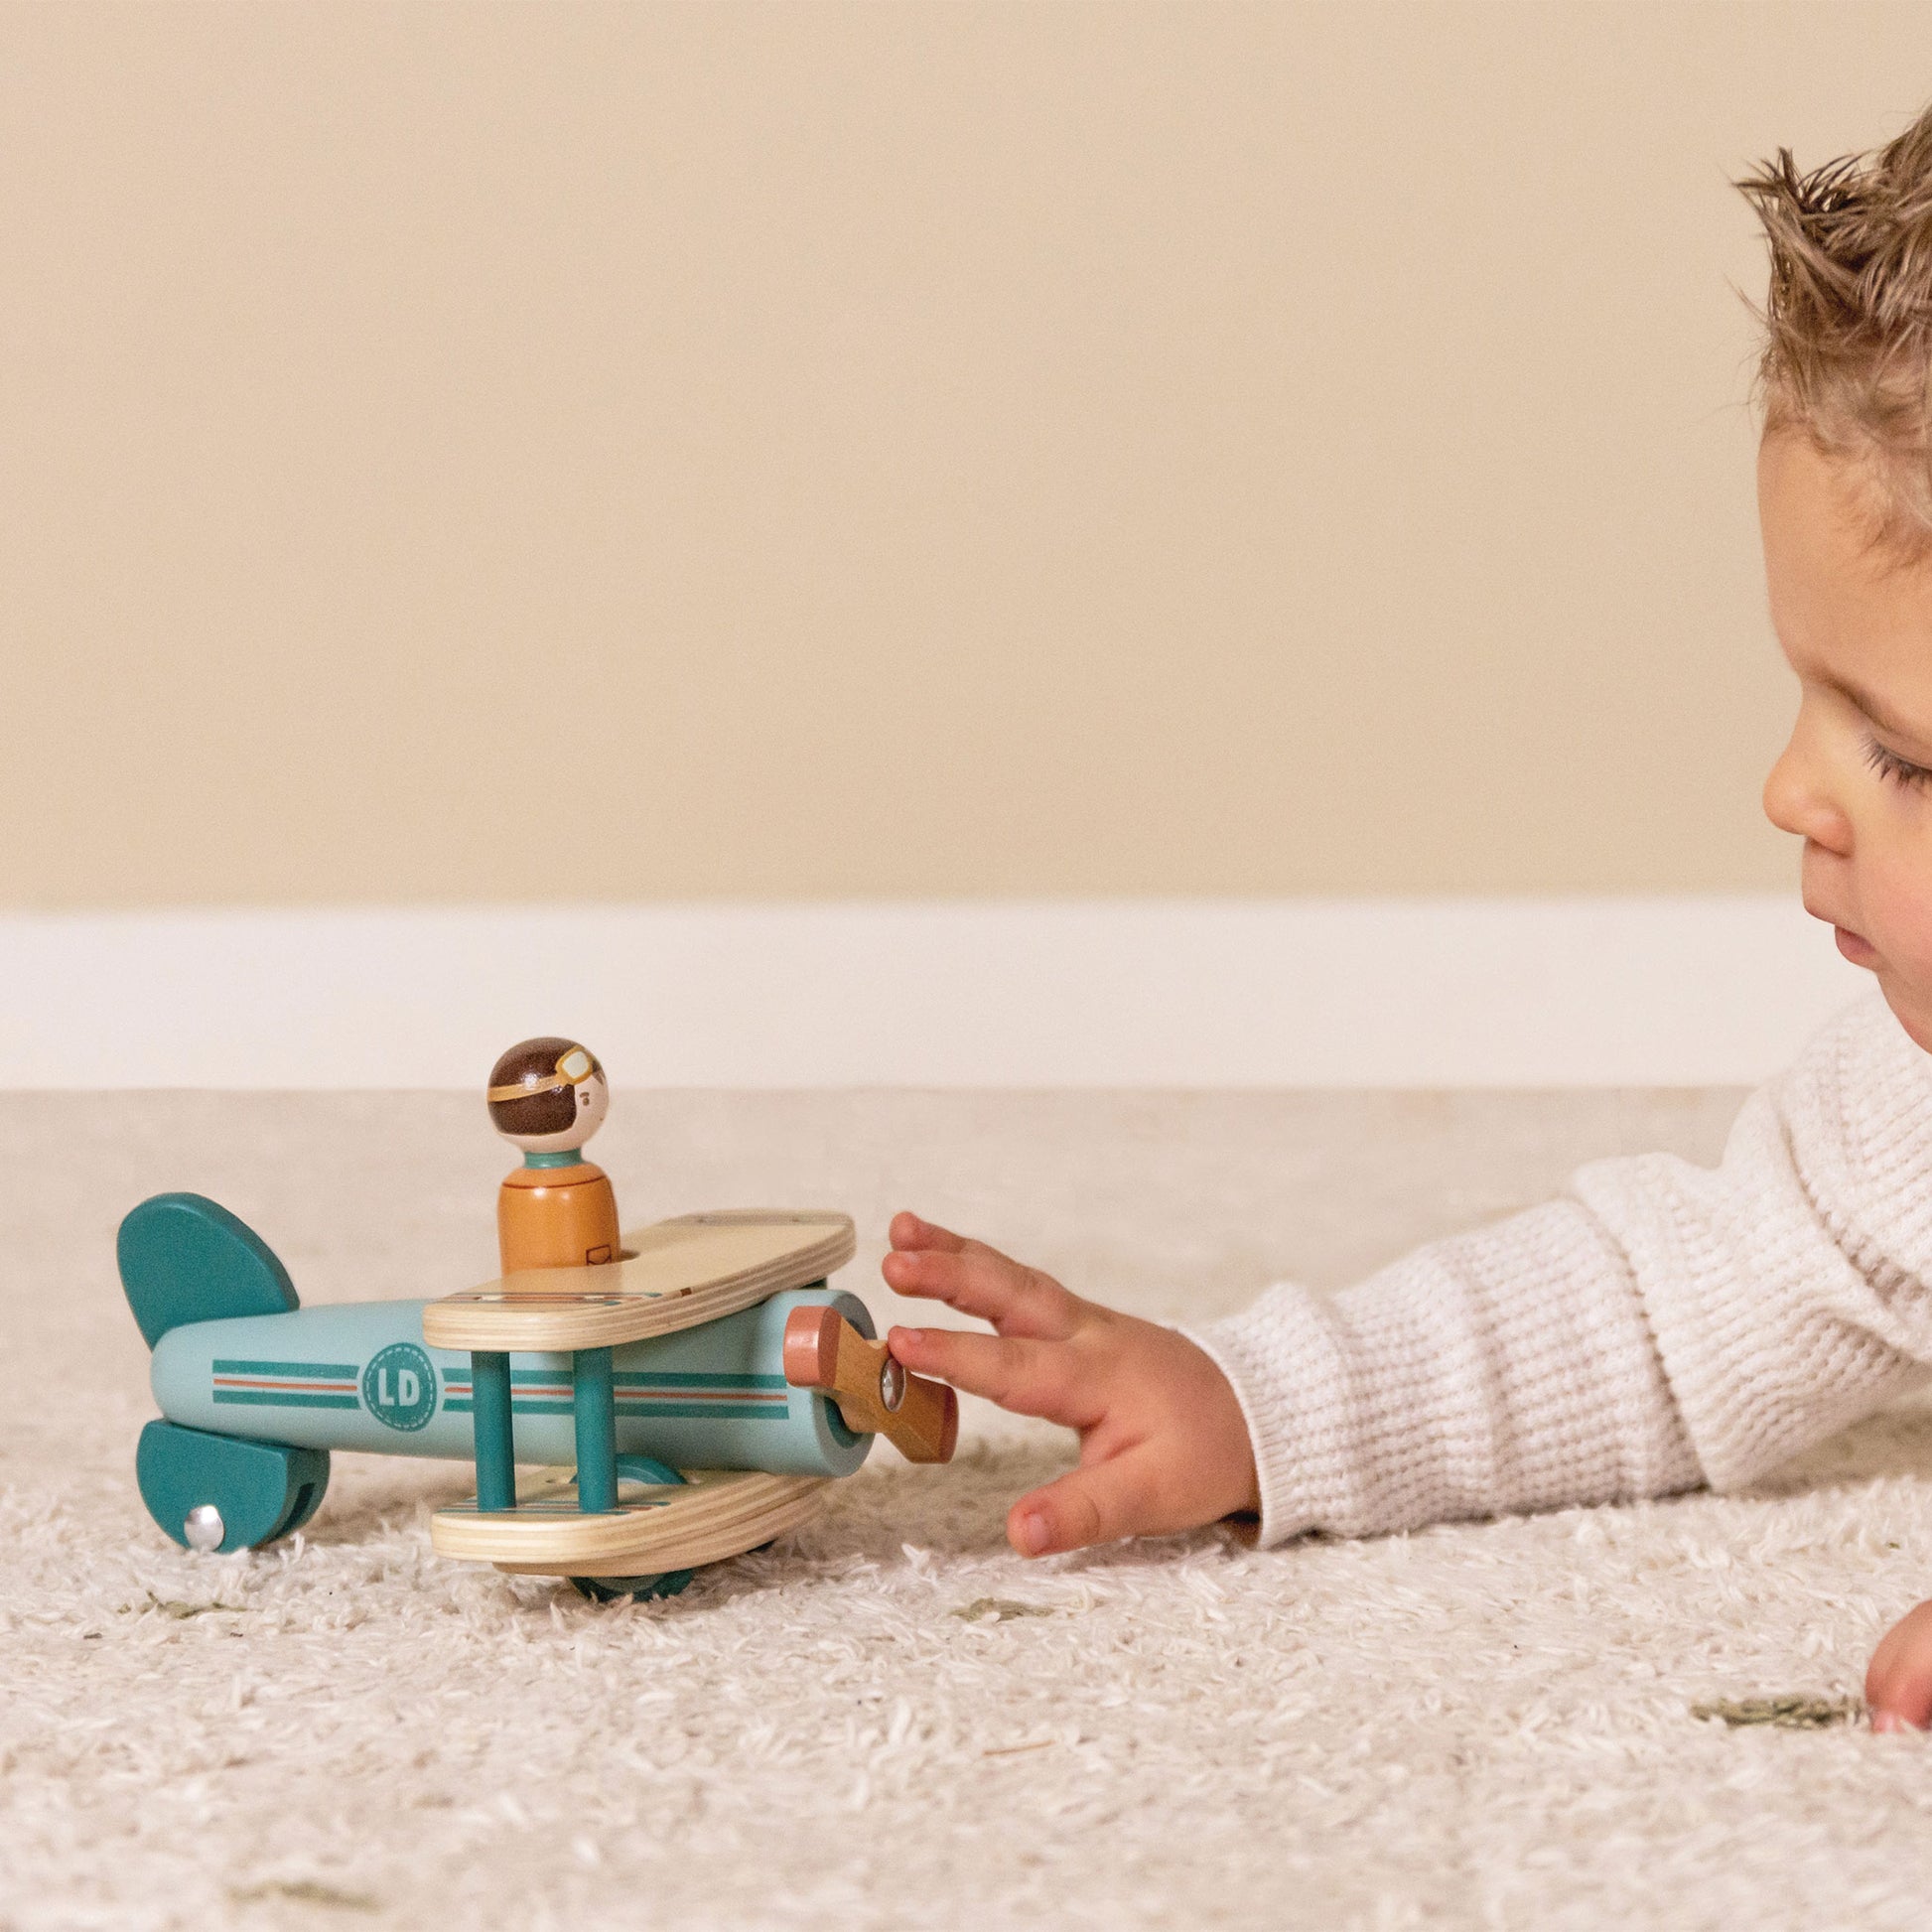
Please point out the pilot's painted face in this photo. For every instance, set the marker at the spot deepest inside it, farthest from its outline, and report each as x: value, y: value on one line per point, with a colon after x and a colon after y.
x: 593, y: 1098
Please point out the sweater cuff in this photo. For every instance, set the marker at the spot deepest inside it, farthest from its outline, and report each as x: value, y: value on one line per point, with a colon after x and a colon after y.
x: 1282, y: 1359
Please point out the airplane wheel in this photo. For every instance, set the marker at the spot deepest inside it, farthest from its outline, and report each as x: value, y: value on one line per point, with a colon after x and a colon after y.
x: 221, y: 1494
x: 607, y: 1590
x: 647, y: 1469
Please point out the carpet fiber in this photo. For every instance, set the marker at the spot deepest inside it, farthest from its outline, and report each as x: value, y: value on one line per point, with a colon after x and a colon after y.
x: 887, y: 1719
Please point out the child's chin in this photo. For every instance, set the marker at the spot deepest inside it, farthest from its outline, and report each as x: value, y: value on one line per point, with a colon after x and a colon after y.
x: 1913, y: 1014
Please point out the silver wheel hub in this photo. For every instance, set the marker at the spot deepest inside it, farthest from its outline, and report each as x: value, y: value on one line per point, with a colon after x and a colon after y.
x: 204, y: 1528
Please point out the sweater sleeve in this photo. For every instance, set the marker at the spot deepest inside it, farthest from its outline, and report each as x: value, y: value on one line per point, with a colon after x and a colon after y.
x: 1658, y: 1326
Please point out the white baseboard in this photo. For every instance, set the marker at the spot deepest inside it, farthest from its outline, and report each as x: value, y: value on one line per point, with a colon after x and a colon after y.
x: 1408, y: 993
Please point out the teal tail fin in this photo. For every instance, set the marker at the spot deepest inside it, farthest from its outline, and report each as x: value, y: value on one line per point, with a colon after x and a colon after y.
x: 185, y: 1258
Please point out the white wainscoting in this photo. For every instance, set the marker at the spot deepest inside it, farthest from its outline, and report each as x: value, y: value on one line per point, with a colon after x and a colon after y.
x: 1697, y: 990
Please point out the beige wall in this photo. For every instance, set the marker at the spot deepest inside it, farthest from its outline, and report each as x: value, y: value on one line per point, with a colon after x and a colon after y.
x: 717, y: 451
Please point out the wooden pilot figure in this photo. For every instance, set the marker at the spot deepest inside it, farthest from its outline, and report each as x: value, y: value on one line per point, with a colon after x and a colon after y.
x: 548, y: 1097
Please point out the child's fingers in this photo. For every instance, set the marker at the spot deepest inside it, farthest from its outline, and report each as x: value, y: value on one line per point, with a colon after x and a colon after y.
x: 910, y: 1234
x: 1017, y: 1300
x: 1097, y: 1504
x: 1032, y: 1378
x: 1898, y: 1684
x: 908, y: 1231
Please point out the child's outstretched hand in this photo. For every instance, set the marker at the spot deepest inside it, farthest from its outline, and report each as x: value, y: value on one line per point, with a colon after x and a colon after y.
x: 1163, y: 1442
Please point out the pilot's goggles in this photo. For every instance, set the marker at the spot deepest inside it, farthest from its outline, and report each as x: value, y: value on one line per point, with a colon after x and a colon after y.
x: 573, y: 1069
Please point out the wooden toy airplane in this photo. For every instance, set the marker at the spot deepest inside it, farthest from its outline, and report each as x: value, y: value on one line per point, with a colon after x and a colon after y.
x: 705, y: 1388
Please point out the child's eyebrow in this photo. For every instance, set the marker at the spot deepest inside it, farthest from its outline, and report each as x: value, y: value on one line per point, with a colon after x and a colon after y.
x: 1880, y: 714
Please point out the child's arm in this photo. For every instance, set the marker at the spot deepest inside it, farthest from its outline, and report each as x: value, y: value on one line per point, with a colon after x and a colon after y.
x: 1164, y: 1445
x: 1661, y: 1327
x: 1501, y: 1370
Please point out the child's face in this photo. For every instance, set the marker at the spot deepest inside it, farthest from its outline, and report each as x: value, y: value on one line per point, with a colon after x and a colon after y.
x: 1855, y: 781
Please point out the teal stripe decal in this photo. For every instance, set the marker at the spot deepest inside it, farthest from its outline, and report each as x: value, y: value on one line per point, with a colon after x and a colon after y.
x: 327, y: 1371
x: 645, y: 1380
x: 631, y: 1398
x: 547, y: 1378
x: 284, y: 1399
x: 704, y: 1412
x: 653, y: 1410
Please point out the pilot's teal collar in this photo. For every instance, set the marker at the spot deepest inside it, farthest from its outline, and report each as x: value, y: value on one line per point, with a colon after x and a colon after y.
x: 563, y: 1157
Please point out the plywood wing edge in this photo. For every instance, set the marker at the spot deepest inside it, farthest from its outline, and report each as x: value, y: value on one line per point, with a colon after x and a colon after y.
x: 573, y: 1324
x: 714, y: 1544
x: 592, y: 1310
x: 738, y: 1515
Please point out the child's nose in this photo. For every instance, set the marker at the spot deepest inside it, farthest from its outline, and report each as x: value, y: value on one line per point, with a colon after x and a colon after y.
x: 1797, y: 800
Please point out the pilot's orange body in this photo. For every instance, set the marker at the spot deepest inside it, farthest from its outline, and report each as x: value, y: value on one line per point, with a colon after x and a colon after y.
x: 556, y: 1217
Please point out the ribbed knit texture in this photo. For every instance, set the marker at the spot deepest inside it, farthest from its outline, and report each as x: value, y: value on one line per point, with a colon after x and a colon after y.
x: 1659, y: 1326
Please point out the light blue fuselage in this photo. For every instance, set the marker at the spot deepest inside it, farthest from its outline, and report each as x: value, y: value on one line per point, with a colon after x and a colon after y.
x: 359, y: 1376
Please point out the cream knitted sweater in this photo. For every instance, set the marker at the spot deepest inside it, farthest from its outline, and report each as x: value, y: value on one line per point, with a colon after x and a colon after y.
x: 1658, y: 1326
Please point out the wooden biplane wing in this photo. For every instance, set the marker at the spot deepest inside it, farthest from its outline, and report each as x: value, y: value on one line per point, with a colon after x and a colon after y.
x: 714, y: 1514
x: 672, y: 1274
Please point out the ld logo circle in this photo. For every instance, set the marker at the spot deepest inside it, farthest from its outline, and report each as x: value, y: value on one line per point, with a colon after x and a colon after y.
x: 399, y: 1387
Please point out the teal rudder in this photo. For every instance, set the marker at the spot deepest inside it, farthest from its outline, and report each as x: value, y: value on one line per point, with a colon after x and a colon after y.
x: 185, y: 1258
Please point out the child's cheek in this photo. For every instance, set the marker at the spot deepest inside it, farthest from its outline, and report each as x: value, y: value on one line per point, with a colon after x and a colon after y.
x: 1896, y: 902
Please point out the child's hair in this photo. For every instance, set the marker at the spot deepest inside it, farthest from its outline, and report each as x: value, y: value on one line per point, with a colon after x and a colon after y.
x: 1848, y: 323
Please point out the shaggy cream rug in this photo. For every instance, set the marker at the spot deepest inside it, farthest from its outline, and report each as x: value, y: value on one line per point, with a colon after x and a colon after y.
x: 889, y: 1720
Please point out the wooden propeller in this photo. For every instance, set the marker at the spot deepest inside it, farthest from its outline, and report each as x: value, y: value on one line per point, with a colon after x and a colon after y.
x: 875, y: 1394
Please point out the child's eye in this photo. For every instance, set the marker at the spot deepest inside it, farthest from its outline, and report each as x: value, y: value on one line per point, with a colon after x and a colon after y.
x: 1888, y: 765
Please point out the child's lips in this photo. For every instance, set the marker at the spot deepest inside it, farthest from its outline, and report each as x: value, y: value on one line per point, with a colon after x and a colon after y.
x: 1853, y: 945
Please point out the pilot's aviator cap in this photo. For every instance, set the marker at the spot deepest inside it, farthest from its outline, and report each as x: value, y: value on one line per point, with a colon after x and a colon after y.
x: 573, y: 1069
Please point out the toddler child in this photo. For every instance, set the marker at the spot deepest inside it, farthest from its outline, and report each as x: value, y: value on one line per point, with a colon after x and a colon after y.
x: 1661, y: 1326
